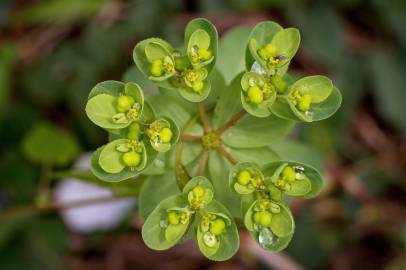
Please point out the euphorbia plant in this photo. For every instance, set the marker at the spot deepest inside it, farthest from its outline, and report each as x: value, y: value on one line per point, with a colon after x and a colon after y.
x: 204, y: 146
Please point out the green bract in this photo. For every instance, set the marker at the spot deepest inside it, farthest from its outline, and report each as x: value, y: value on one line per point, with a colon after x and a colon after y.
x: 184, y: 70
x: 258, y: 94
x: 270, y: 223
x: 103, y: 106
x: 246, y: 177
x: 157, y: 233
x: 192, y: 125
x: 269, y: 52
x: 306, y: 182
x: 215, y: 231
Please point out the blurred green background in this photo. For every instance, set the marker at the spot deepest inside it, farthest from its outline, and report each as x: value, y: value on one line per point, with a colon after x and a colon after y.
x: 53, y: 52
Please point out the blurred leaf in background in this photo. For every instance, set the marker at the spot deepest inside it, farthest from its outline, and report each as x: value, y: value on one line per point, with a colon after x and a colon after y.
x: 58, y: 11
x: 48, y: 144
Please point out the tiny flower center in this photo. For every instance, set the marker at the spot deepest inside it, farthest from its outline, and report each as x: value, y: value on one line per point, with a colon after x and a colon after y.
x: 211, y: 140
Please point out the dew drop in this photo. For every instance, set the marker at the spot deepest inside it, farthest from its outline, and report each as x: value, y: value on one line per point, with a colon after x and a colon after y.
x: 256, y: 67
x: 163, y: 224
x: 299, y: 169
x: 266, y: 238
x: 308, y: 113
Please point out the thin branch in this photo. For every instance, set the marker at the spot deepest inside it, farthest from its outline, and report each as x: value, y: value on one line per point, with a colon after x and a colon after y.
x: 227, y: 155
x: 203, y: 117
x: 190, y: 138
x: 203, y: 163
x: 231, y: 122
x: 30, y: 210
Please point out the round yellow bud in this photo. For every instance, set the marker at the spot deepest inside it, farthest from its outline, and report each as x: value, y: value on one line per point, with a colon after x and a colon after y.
x: 217, y: 226
x: 263, y: 53
x: 244, y: 177
x: 197, y: 86
x: 131, y: 159
x: 204, y: 54
x: 271, y: 49
x: 198, y: 191
x: 289, y: 174
x: 263, y: 218
x: 304, y: 103
x: 124, y: 103
x: 255, y: 95
x: 156, y: 68
x: 173, y: 218
x: 166, y: 135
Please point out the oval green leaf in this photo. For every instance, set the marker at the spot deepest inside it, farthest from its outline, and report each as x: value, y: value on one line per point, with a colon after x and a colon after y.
x: 262, y: 34
x: 207, y: 26
x: 273, y: 170
x: 126, y: 173
x: 229, y: 240
x: 153, y: 231
x: 318, y: 111
x: 101, y: 108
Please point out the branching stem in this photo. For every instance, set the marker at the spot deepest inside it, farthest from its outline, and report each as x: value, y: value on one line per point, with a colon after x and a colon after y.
x: 227, y: 155
x: 231, y: 122
x: 203, y: 117
x: 203, y: 163
x: 190, y: 138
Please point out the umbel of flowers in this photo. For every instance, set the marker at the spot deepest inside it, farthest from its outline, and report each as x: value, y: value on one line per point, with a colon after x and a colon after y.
x: 144, y: 139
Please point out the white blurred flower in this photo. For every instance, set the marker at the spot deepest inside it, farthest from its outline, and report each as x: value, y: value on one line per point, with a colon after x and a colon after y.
x: 93, y: 217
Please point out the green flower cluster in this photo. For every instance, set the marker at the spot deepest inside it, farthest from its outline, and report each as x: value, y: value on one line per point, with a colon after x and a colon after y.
x: 186, y: 70
x: 265, y: 209
x: 136, y: 134
x: 229, y: 124
x: 267, y: 88
x: 193, y: 214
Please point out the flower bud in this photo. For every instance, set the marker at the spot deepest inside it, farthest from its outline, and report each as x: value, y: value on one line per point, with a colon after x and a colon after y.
x: 198, y: 191
x: 173, y: 218
x: 271, y: 49
x: 255, y: 95
x: 124, y: 103
x: 217, y: 226
x: 166, y: 135
x: 289, y: 174
x: 244, y: 177
x: 304, y: 103
x: 263, y: 218
x: 156, y: 68
x: 197, y: 86
x: 204, y: 54
x: 131, y: 159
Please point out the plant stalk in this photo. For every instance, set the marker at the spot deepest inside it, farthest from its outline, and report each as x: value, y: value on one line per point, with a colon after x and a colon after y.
x: 231, y: 122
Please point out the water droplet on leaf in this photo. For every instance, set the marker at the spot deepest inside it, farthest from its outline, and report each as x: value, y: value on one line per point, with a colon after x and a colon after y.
x: 256, y: 67
x: 308, y: 113
x: 299, y: 169
x: 266, y: 238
